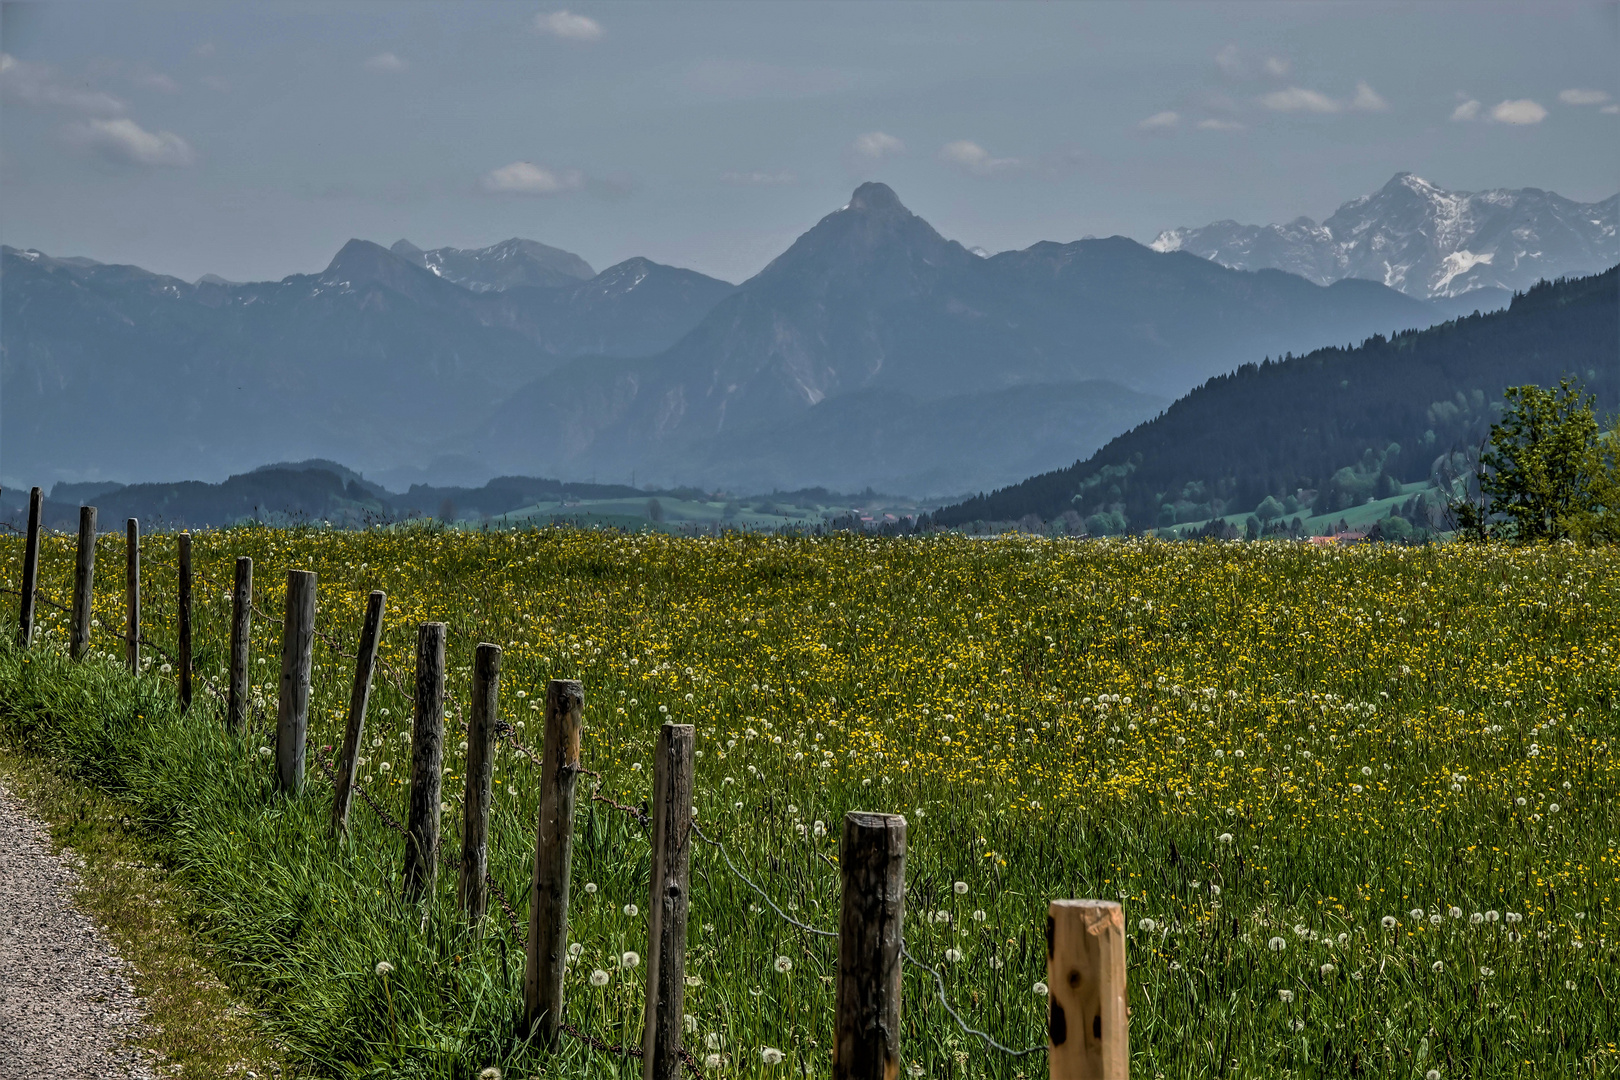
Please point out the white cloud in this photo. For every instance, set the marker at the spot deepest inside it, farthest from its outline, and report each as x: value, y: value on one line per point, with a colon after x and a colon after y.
x: 1230, y: 61
x: 527, y: 178
x: 155, y: 80
x: 1161, y: 121
x: 877, y: 144
x: 1299, y: 99
x: 1368, y: 100
x: 566, y: 24
x: 40, y: 86
x: 1583, y: 97
x: 759, y: 178
x: 1468, y: 110
x: 1610, y: 109
x: 1213, y: 124
x: 1519, y: 111
x: 975, y: 158
x: 1277, y: 67
x: 385, y: 61
x: 125, y: 142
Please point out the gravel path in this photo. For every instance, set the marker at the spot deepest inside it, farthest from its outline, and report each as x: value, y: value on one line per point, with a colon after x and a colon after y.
x: 65, y: 1009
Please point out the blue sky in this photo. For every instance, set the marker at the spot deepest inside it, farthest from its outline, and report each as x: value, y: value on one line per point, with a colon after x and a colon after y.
x: 252, y: 140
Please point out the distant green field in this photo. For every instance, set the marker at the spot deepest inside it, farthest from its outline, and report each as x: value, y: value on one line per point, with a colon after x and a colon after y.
x: 1356, y: 518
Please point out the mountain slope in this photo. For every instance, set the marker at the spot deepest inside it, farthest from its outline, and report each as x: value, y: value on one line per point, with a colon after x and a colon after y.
x: 1423, y: 240
x: 1336, y: 426
x: 872, y: 298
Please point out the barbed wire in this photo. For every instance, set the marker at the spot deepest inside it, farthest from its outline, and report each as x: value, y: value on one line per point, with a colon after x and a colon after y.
x: 939, y: 989
x: 718, y: 846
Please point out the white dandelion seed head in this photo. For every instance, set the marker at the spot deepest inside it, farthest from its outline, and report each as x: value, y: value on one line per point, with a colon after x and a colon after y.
x: 1039, y: 989
x: 961, y: 888
x: 384, y: 968
x: 599, y: 977
x: 1277, y: 944
x: 630, y: 960
x: 770, y: 1055
x: 1286, y: 996
x: 631, y: 910
x: 783, y: 965
x: 1147, y: 926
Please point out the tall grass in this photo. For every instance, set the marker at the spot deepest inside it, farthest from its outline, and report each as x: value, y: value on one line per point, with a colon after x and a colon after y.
x: 1305, y: 774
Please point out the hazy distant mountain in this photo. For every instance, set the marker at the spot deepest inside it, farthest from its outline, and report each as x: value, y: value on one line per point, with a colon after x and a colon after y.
x: 1425, y: 241
x: 116, y: 372
x: 500, y: 266
x: 873, y: 299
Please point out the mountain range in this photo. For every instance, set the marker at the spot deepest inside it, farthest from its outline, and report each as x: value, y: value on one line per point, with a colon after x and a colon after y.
x: 1425, y: 241
x: 873, y: 352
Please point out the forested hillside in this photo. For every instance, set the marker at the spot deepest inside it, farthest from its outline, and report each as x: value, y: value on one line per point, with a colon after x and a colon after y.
x: 1332, y: 429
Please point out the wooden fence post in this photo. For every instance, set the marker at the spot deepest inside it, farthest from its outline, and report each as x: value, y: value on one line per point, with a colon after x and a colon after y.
x: 486, y: 713
x: 184, y: 553
x: 667, y: 907
x: 359, y: 696
x: 1085, y: 979
x: 132, y: 595
x: 241, y: 642
x: 553, y: 853
x: 292, y: 706
x: 30, y: 574
x: 84, y: 579
x: 866, y: 1035
x: 427, y: 756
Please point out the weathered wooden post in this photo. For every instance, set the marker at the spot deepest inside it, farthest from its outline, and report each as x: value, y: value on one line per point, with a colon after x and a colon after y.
x: 241, y: 643
x: 292, y: 706
x: 30, y: 573
x: 427, y: 756
x: 359, y: 696
x: 184, y: 600
x: 553, y: 853
x: 84, y: 579
x: 866, y: 1035
x: 486, y: 713
x: 132, y: 595
x: 667, y: 907
x: 1085, y: 979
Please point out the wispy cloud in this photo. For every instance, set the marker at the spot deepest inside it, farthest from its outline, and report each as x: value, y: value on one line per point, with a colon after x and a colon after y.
x: 877, y: 144
x: 41, y: 86
x: 124, y: 142
x: 527, y: 178
x: 1299, y: 99
x: 969, y: 155
x: 1277, y: 67
x: 1519, y: 111
x: 1230, y: 61
x: 1161, y: 121
x: 385, y: 62
x: 1583, y: 97
x: 1368, y: 100
x: 1612, y: 110
x: 565, y: 24
x: 759, y: 178
x: 1214, y: 124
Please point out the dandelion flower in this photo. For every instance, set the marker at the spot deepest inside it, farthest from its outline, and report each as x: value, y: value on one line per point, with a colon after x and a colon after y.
x: 711, y: 1061
x: 1388, y: 922
x: 953, y: 955
x: 961, y: 888
x: 599, y: 977
x: 1416, y: 913
x: 1438, y: 966
x: 1492, y: 916
x: 1286, y: 996
x: 1147, y: 926
x: 1552, y: 808
x: 1039, y: 989
x: 384, y: 968
x: 1327, y: 969
x: 783, y: 965
x: 1455, y: 912
x: 1276, y: 944
x: 1432, y: 1074
x: 590, y: 888
x: 712, y: 1040
x: 1225, y: 838
x: 630, y: 960
x: 631, y: 910
x: 770, y: 1055
x: 979, y: 916
x: 264, y: 751
x: 575, y: 949
x: 491, y: 1073
x: 1475, y: 919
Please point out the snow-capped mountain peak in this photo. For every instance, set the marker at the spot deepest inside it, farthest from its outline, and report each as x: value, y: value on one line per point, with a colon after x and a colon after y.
x: 1416, y: 236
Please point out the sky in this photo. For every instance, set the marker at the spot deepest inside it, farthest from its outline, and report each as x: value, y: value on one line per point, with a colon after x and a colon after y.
x: 253, y: 140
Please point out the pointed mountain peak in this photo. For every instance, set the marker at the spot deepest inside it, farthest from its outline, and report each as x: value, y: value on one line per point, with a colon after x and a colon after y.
x: 877, y: 198
x: 405, y: 249
x: 359, y: 259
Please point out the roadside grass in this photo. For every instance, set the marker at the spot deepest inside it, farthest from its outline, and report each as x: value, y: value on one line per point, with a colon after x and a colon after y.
x: 199, y: 1026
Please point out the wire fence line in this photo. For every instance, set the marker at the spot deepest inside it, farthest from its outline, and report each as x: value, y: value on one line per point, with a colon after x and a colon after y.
x: 639, y: 815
